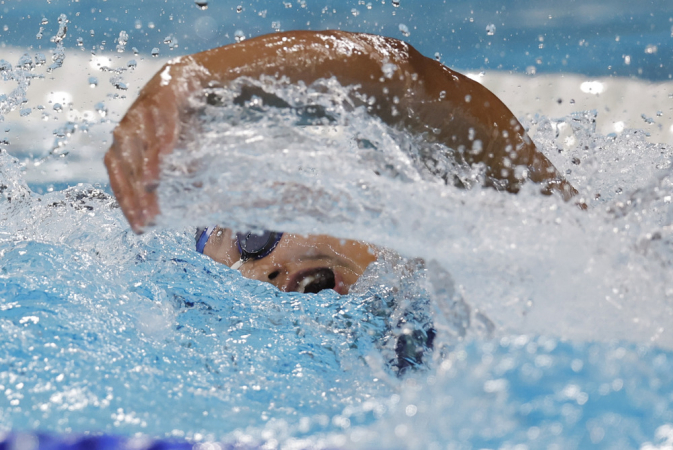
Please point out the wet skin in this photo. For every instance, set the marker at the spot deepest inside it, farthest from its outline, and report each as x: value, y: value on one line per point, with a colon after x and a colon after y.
x: 299, y: 263
x: 419, y: 95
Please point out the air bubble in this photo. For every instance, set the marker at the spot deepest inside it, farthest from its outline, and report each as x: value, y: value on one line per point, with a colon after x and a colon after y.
x: 201, y: 4
x: 490, y: 29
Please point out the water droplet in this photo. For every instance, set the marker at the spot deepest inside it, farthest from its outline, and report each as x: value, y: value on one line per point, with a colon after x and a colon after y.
x: 101, y: 109
x: 119, y: 84
x: 388, y: 70
x: 155, y: 52
x: 404, y: 29
x: 239, y: 9
x: 25, y: 111
x: 138, y: 24
x: 648, y: 120
x: 132, y: 64
x: 396, y: 3
x: 438, y: 56
x: 202, y: 4
x: 93, y: 82
x: 58, y: 107
x: 40, y: 59
x: 651, y: 49
x: 355, y: 12
x: 26, y: 62
x: 122, y: 40
x: 62, y: 29
x: 490, y: 29
x: 80, y: 42
x: 45, y: 21
x: 39, y: 33
x: 239, y: 35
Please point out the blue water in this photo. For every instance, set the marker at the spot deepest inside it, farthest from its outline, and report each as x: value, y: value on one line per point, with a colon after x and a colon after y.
x: 589, y: 37
x: 553, y: 325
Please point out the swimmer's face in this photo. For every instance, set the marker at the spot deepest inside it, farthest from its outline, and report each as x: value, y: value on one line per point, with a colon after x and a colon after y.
x: 298, y: 263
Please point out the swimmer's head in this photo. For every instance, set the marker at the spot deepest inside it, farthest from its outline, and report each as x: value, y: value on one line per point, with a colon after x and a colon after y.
x: 291, y: 262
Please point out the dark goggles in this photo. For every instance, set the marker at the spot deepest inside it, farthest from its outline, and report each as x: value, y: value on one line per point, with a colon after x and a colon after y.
x: 251, y: 244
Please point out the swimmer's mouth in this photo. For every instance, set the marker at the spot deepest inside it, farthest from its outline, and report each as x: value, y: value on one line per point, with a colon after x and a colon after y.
x: 312, y: 281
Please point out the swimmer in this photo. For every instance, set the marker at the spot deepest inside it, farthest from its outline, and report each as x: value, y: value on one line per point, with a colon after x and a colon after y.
x: 410, y: 92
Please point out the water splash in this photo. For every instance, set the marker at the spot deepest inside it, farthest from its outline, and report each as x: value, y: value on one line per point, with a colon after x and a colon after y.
x: 396, y: 191
x: 106, y: 330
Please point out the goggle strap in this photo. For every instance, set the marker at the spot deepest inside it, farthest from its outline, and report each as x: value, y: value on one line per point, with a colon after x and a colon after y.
x: 203, y: 239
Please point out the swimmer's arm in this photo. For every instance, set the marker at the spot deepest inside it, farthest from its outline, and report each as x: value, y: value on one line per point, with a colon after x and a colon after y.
x: 421, y: 95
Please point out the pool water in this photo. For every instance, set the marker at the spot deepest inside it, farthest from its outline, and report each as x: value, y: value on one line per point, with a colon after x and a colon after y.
x: 552, y: 325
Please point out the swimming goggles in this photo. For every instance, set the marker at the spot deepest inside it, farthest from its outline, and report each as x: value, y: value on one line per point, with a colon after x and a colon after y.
x: 251, y: 244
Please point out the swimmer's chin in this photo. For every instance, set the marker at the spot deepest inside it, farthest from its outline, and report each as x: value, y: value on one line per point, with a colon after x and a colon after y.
x: 314, y: 280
